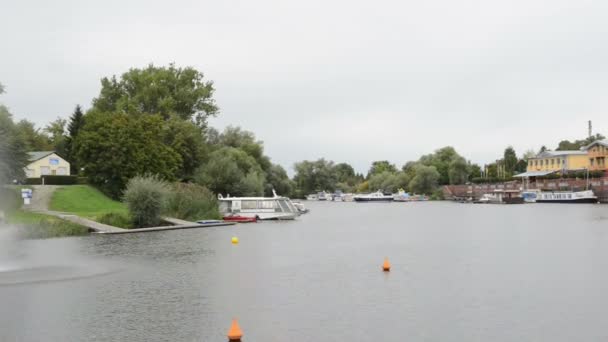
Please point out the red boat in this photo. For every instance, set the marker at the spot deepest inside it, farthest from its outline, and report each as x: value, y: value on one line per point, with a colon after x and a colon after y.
x: 240, y: 219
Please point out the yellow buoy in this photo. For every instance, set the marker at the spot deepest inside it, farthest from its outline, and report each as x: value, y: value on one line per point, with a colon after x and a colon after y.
x: 235, y: 240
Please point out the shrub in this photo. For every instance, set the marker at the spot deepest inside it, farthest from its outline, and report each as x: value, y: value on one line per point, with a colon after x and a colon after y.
x: 58, y: 180
x: 145, y: 197
x: 33, y: 181
x: 117, y: 220
x: 191, y: 202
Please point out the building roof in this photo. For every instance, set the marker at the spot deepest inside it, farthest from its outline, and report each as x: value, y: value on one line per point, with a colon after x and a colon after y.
x: 534, y: 173
x: 597, y: 142
x: 549, y: 154
x: 37, y: 155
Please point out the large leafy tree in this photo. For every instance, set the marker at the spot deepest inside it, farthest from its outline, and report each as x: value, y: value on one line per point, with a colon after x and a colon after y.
x: 34, y: 138
x: 565, y: 145
x: 381, y: 166
x: 114, y: 147
x: 187, y: 140
x: 232, y: 171
x: 510, y: 160
x: 312, y: 176
x: 458, y: 170
x: 441, y: 160
x: 55, y: 130
x: 277, y: 179
x: 246, y: 141
x: 344, y: 173
x: 159, y: 90
x: 426, y: 179
x: 13, y: 156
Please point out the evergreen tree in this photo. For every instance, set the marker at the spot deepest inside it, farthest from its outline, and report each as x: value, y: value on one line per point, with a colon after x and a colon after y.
x: 76, y: 122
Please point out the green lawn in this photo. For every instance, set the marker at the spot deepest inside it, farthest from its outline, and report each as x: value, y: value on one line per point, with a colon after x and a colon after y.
x: 86, y: 201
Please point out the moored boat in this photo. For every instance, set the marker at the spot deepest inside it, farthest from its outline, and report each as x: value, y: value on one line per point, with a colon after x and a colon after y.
x: 377, y: 196
x: 502, y: 197
x: 586, y: 196
x: 262, y: 208
x: 240, y: 219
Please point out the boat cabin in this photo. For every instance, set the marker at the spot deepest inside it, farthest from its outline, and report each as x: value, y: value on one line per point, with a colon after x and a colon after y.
x: 264, y: 208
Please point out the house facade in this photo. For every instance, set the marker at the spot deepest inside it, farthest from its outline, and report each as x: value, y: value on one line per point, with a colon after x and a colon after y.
x: 597, y: 153
x: 553, y: 161
x: 46, y: 163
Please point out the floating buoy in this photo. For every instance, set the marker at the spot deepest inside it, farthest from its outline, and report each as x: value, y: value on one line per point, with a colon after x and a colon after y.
x: 386, y: 267
x: 235, y: 240
x: 235, y: 333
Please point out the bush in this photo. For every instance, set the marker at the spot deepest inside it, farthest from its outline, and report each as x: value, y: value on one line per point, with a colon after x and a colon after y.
x: 33, y: 181
x: 82, y: 180
x: 191, y: 202
x: 117, y: 220
x: 145, y: 197
x: 58, y: 180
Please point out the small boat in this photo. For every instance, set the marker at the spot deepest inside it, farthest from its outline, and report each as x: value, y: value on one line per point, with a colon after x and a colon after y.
x: 301, y: 208
x: 502, y: 197
x: 348, y: 197
x: 377, y: 196
x: 262, y: 208
x: 323, y: 196
x: 530, y: 195
x: 312, y: 197
x: 401, y: 196
x: 240, y: 219
x: 586, y: 196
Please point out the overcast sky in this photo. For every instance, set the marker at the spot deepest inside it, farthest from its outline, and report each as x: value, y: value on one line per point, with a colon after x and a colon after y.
x: 344, y: 80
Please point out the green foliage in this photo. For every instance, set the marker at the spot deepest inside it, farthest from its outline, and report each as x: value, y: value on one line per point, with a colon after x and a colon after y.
x: 159, y: 90
x: 191, y: 202
x: 114, y: 147
x: 389, y: 181
x: 245, y: 141
x: 277, y: 179
x: 13, y: 156
x: 441, y: 160
x: 475, y: 171
x: 426, y: 179
x: 510, y: 160
x: 231, y: 171
x: 33, y: 181
x: 567, y: 145
x: 116, y: 219
x: 187, y: 140
x: 313, y: 176
x: 57, y: 180
x: 74, y: 126
x: 146, y: 197
x: 55, y: 131
x: 34, y: 138
x: 86, y: 201
x: 458, y: 170
x: 380, y: 167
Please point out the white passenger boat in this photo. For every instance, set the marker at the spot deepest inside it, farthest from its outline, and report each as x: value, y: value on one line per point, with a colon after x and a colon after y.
x: 262, y: 208
x: 586, y: 196
x: 377, y: 196
x: 312, y: 197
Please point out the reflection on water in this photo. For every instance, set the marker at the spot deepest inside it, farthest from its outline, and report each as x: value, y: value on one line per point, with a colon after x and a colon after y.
x: 459, y: 273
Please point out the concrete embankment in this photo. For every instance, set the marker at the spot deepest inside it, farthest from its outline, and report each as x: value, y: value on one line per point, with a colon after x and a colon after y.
x: 598, y: 185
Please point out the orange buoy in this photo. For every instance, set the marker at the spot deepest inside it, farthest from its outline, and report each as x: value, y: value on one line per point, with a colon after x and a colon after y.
x: 235, y: 333
x: 386, y: 267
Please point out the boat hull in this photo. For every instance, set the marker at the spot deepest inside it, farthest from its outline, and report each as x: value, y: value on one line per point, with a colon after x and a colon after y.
x: 576, y: 200
x: 388, y: 199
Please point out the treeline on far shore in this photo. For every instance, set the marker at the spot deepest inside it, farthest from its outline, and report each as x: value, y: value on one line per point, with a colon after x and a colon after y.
x: 154, y: 121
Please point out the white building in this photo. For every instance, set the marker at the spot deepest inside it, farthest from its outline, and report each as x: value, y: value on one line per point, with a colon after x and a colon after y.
x: 46, y: 163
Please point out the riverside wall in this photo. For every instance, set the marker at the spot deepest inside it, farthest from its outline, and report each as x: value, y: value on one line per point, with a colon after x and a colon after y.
x: 598, y: 185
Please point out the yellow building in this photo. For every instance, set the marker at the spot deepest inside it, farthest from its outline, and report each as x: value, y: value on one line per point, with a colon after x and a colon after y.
x: 553, y: 161
x: 46, y: 163
x: 597, y: 152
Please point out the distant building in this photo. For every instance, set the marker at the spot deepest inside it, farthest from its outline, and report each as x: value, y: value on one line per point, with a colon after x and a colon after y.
x: 46, y: 163
x: 554, y: 161
x: 597, y: 152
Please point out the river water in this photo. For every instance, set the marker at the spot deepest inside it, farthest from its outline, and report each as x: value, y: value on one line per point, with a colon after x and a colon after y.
x: 460, y: 272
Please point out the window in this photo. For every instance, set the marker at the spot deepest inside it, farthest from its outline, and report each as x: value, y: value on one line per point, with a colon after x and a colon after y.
x: 541, y: 163
x: 225, y: 206
x: 249, y: 205
x: 62, y: 171
x: 552, y: 162
x: 267, y: 204
x: 591, y: 161
x: 45, y: 170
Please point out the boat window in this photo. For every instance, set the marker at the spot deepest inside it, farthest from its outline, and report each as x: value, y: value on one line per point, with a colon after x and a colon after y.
x: 284, y: 206
x: 249, y: 205
x: 267, y: 205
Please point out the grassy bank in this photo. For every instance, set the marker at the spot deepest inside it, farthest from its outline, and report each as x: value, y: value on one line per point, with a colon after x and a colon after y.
x: 34, y: 225
x: 85, y: 201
